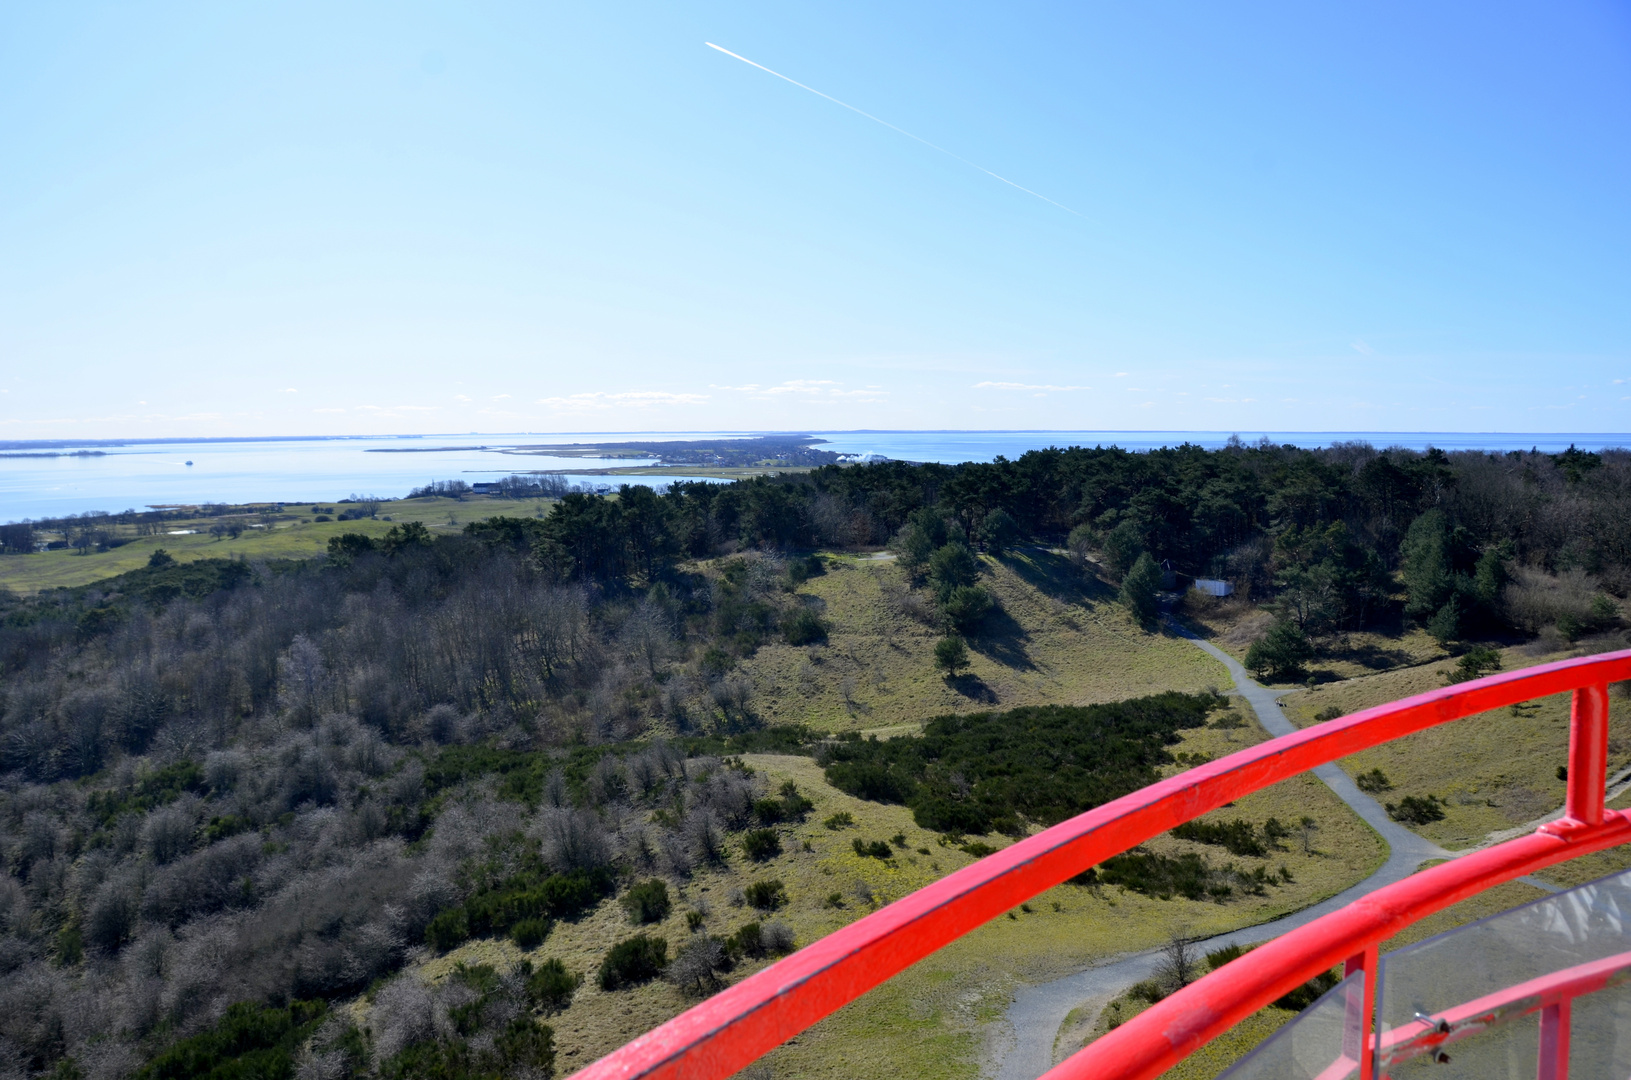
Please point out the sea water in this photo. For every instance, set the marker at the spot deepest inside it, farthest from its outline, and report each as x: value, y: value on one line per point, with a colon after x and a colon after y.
x: 136, y: 475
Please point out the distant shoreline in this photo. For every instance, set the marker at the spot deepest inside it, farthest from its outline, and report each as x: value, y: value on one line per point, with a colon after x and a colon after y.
x: 1605, y: 438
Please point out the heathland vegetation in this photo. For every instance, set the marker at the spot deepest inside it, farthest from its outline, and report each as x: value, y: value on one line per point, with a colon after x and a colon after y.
x: 483, y: 795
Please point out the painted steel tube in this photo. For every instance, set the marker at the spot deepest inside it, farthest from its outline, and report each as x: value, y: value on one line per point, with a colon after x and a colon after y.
x: 1154, y: 1040
x: 729, y: 1030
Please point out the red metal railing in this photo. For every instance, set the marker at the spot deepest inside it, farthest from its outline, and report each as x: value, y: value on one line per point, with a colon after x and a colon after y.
x: 739, y: 1024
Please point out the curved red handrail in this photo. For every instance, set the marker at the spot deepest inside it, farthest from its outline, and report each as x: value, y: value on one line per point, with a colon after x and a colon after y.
x: 729, y: 1030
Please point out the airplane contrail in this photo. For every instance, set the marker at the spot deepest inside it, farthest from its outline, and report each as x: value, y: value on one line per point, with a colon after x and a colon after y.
x: 892, y: 127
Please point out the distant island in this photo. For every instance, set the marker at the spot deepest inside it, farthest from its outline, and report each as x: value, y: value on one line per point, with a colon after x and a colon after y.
x: 58, y: 453
x: 760, y: 450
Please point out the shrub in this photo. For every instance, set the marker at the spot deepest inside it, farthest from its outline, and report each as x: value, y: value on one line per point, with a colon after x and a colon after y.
x: 800, y: 570
x: 748, y: 941
x: 765, y: 895
x: 761, y: 844
x: 1309, y: 992
x: 841, y: 820
x: 550, y: 985
x: 248, y: 1041
x: 1044, y: 763
x: 1413, y: 810
x: 1374, y: 782
x: 791, y: 806
x: 1329, y: 713
x: 647, y: 902
x: 1218, y: 957
x: 1237, y: 837
x: 1475, y: 663
x: 447, y: 930
x: 636, y: 960
x: 803, y: 627
x: 872, y: 849
x: 530, y: 933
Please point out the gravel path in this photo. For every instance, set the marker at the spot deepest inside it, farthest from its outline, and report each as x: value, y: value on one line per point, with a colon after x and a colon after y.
x: 1025, y: 1050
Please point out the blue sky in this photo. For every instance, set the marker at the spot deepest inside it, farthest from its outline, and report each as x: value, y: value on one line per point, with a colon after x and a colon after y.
x: 334, y: 219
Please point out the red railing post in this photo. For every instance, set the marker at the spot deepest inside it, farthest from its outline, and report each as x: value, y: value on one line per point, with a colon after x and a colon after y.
x: 1588, y: 754
x: 1554, y: 1041
x: 1357, y: 1042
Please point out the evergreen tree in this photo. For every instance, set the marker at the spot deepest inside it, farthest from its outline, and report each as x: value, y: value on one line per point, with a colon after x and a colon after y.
x: 1425, y: 566
x: 1139, y: 587
x: 1282, y: 651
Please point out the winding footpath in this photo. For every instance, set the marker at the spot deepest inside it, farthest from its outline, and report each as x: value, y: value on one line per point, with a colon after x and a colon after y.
x: 1037, y: 1012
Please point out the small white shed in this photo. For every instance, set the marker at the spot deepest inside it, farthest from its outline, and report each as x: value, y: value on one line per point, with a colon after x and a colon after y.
x: 1213, y: 586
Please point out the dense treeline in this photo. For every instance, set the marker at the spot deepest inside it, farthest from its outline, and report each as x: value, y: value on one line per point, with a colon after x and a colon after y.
x: 229, y: 783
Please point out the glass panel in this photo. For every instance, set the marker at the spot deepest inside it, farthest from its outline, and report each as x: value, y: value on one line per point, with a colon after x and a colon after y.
x: 1508, y: 1052
x: 1600, y: 1037
x: 1589, y: 922
x: 1323, y: 1041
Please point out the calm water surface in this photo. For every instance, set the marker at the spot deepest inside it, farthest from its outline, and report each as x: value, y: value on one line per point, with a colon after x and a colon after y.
x: 138, y: 475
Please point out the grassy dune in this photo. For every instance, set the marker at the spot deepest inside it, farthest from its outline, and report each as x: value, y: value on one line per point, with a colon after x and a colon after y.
x: 1053, y: 641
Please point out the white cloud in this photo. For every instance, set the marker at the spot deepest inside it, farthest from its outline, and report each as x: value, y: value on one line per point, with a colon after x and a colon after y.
x: 465, y: 398
x: 801, y: 386
x: 1120, y: 375
x: 635, y: 399
x: 1044, y: 387
x: 328, y: 410
x: 289, y: 390
x: 1361, y: 347
x: 500, y: 397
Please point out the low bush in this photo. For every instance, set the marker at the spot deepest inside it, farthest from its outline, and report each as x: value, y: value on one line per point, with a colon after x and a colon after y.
x: 1475, y: 663
x: 1414, y: 810
x: 766, y: 895
x: 1237, y: 837
x: 1039, y: 763
x: 647, y: 902
x: 788, y: 806
x: 1189, y: 875
x: 754, y: 940
x: 521, y: 898
x: 637, y: 960
x: 550, y: 985
x: 249, y: 1041
x: 872, y: 849
x: 761, y: 844
x: 1374, y: 782
x: 530, y: 933
x: 841, y: 820
x: 803, y: 627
